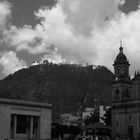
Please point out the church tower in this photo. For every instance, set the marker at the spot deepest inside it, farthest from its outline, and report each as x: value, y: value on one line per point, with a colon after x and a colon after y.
x: 121, y: 97
x: 122, y: 84
x: 121, y: 67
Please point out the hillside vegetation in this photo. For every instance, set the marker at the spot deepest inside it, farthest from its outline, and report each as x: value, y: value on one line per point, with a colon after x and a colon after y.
x: 65, y: 86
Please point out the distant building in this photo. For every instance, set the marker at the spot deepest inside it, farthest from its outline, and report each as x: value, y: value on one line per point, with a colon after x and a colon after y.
x: 21, y: 120
x: 125, y: 100
x: 91, y: 131
x: 102, y: 112
x: 101, y: 109
x: 69, y: 119
x: 88, y: 112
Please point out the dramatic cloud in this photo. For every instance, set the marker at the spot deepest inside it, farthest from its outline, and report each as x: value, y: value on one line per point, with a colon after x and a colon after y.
x: 125, y: 27
x: 80, y: 31
x: 57, y: 27
x: 85, y: 16
x: 10, y: 63
x: 5, y: 13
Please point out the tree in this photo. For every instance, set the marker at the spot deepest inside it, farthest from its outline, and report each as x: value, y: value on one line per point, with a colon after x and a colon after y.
x: 93, y: 118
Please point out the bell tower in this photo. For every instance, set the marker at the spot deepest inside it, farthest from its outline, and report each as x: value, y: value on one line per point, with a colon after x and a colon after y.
x: 121, y: 86
x: 121, y: 66
x: 125, y: 100
x: 121, y: 95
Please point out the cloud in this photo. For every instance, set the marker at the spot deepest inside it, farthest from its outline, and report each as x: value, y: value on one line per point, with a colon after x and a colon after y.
x: 10, y: 63
x: 85, y: 16
x: 5, y: 13
x: 53, y: 29
x: 53, y: 57
x: 125, y: 27
x: 56, y: 59
x: 80, y: 31
x: 122, y: 2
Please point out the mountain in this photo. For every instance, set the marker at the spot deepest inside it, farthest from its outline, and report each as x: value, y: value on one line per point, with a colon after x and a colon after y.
x: 66, y: 86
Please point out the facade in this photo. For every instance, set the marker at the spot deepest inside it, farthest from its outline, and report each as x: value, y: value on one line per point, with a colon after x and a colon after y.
x: 125, y: 100
x: 21, y: 120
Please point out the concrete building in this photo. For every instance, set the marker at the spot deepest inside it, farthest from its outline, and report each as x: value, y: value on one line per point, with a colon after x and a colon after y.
x: 22, y: 120
x: 125, y: 100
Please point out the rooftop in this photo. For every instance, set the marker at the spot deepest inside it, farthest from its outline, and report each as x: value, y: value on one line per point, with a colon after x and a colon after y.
x: 25, y: 103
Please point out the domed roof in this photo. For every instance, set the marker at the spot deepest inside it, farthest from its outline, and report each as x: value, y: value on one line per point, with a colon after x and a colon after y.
x: 121, y: 58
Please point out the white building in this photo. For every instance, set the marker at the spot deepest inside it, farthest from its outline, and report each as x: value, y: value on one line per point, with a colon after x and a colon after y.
x: 22, y: 120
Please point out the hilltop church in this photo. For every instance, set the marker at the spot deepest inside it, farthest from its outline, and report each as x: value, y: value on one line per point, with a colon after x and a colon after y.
x: 125, y: 101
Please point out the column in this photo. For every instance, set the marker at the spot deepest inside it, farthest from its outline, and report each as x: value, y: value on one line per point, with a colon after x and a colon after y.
x: 31, y: 127
x: 15, y: 125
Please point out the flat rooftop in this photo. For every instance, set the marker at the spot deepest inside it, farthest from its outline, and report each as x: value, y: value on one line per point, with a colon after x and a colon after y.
x: 25, y: 103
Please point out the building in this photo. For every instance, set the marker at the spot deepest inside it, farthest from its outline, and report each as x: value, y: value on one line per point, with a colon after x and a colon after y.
x: 91, y: 131
x: 87, y: 112
x: 24, y: 120
x: 125, y: 100
x: 70, y: 119
x: 102, y: 112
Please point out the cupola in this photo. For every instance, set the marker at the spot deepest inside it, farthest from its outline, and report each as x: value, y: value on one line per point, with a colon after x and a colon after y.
x: 121, y: 66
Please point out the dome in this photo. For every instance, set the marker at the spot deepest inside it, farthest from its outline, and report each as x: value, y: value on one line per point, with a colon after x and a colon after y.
x: 121, y: 58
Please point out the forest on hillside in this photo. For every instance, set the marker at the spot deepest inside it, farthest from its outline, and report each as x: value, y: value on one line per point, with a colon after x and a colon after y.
x: 65, y: 86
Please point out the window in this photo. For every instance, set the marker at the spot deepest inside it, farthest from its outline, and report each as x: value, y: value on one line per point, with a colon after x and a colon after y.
x: 130, y: 118
x: 12, y: 127
x: 117, y: 95
x: 117, y: 123
x: 126, y: 93
x: 118, y: 72
x: 130, y: 131
x: 23, y: 123
x: 35, y: 124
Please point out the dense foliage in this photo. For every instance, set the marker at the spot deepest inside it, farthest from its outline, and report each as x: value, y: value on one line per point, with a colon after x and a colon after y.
x: 63, y: 85
x: 93, y: 118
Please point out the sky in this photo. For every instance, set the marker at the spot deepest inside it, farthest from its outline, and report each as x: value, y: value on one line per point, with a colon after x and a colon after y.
x: 68, y: 31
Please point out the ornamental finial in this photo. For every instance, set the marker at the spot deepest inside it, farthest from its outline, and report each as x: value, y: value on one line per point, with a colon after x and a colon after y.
x: 121, y: 48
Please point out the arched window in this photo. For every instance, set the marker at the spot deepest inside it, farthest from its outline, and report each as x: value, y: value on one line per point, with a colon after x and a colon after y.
x: 117, y: 94
x: 130, y: 118
x: 117, y: 71
x: 126, y: 93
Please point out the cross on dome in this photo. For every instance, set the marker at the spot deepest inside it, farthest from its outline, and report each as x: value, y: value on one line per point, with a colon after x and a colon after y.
x: 121, y: 48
